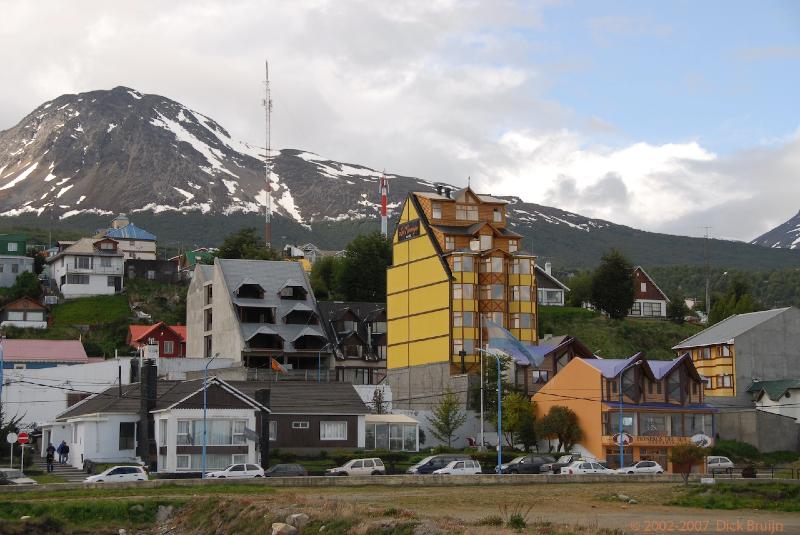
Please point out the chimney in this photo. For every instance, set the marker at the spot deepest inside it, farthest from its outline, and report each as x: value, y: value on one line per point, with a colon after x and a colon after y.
x: 147, y: 402
x: 438, y: 188
x: 548, y: 268
x: 447, y: 191
x: 262, y: 397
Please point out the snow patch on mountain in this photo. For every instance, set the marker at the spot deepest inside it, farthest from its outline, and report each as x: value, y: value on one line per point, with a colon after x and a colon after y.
x: 22, y: 176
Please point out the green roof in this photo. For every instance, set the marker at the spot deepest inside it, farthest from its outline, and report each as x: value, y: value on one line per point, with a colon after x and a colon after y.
x: 774, y: 389
x: 13, y: 237
x: 193, y: 257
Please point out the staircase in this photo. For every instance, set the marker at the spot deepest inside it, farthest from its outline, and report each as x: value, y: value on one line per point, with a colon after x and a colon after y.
x: 69, y: 473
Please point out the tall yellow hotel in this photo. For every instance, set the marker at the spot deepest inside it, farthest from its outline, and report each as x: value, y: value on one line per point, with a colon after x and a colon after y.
x: 455, y: 264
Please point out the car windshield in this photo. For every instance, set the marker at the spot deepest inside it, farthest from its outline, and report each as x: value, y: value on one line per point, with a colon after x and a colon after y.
x: 11, y: 473
x: 565, y: 459
x: 423, y: 462
x: 517, y: 460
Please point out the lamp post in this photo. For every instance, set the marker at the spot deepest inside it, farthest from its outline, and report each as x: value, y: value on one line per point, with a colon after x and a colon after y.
x: 621, y: 442
x: 205, y: 411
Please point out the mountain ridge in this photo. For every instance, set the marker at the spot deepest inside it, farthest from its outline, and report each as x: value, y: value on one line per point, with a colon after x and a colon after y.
x: 784, y: 236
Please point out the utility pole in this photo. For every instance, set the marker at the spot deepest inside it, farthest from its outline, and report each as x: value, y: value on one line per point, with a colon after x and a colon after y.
x: 708, y: 274
x: 267, y: 162
x: 384, y: 191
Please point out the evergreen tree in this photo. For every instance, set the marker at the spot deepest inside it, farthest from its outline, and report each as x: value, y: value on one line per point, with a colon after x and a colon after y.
x: 561, y: 423
x: 677, y: 309
x: 737, y: 300
x: 38, y: 260
x: 612, y: 285
x: 26, y: 285
x: 323, y: 277
x: 580, y: 289
x: 447, y: 417
x: 361, y: 274
x: 247, y: 244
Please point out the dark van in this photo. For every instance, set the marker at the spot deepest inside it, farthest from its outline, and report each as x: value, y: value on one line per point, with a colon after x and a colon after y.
x: 434, y: 462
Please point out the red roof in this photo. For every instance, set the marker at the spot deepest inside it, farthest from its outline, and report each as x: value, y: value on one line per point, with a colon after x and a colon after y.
x: 44, y: 351
x: 140, y: 333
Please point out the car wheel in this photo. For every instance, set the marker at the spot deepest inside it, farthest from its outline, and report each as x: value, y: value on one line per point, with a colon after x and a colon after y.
x: 259, y: 475
x: 98, y: 481
x: 375, y: 473
x: 221, y: 477
x: 659, y: 472
x: 343, y: 473
x: 630, y: 472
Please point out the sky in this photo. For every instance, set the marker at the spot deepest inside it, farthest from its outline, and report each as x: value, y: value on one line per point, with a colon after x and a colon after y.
x: 665, y: 116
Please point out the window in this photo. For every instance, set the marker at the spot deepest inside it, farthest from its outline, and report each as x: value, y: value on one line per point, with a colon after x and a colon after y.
x: 14, y: 268
x: 127, y: 435
x: 35, y: 316
x: 707, y: 380
x: 208, y: 346
x: 611, y: 423
x: 651, y: 309
x: 521, y: 266
x: 467, y: 211
x: 463, y: 291
x: 12, y: 247
x: 676, y: 425
x: 333, y: 430
x: 162, y: 432
x: 492, y: 264
x: 107, y: 246
x: 643, y: 287
x: 105, y: 262
x: 492, y: 291
x: 521, y: 321
x: 300, y: 425
x: 521, y: 293
x: 636, y: 309
x: 727, y: 381
x: 463, y: 264
x: 449, y: 243
x: 725, y: 351
x: 240, y: 459
x: 184, y: 437
x: 653, y: 424
x: 513, y: 246
x: 209, y: 294
x: 74, y: 278
x: 151, y: 275
x: 497, y: 215
x: 463, y: 319
x: 16, y: 316
x: 237, y: 434
x: 674, y: 386
x: 540, y: 376
x: 486, y: 242
x: 706, y: 352
x: 169, y: 347
x: 182, y: 462
x: 111, y: 282
x: 436, y: 208
x: 209, y: 319
x: 466, y: 345
x: 474, y: 244
x: 496, y: 317
x: 83, y: 262
x: 273, y: 430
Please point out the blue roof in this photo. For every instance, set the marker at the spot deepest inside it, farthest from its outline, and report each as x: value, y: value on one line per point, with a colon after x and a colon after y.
x: 130, y: 232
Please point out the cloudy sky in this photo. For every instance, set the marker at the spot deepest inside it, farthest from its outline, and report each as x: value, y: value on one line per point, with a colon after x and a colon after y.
x: 666, y: 116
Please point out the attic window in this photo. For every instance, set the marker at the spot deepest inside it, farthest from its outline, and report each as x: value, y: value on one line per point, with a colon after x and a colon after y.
x: 250, y: 291
x: 292, y: 292
x: 497, y: 215
x: 467, y: 212
x: 436, y: 208
x: 644, y: 286
x: 108, y: 246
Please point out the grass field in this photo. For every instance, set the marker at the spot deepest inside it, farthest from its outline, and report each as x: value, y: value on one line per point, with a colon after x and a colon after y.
x: 765, y: 496
x: 615, y: 338
x: 97, y: 310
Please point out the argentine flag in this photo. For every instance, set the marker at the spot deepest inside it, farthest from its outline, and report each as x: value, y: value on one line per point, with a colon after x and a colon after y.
x: 502, y: 341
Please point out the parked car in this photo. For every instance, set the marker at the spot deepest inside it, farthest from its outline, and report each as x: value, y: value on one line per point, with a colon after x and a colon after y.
x: 13, y: 476
x: 359, y: 467
x: 525, y: 464
x: 119, y: 474
x: 562, y: 461
x: 285, y: 470
x: 585, y: 467
x: 460, y: 468
x: 238, y: 471
x: 642, y: 467
x: 429, y: 464
x: 716, y: 464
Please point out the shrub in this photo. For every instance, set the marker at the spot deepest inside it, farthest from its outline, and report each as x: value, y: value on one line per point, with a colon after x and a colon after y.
x: 736, y: 451
x: 490, y: 520
x: 517, y: 522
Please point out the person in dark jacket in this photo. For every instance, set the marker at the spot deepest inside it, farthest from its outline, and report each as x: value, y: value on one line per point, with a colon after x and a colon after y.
x: 51, y: 454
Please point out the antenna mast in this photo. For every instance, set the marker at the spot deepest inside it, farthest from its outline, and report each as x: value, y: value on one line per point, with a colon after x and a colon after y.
x: 267, y: 162
x: 384, y: 191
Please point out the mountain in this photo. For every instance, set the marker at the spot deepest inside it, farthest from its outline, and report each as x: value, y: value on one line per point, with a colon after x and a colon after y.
x: 785, y: 235
x: 77, y: 160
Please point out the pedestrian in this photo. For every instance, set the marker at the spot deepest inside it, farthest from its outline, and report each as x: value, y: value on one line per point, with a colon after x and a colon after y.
x: 51, y: 453
x: 60, y: 451
x: 66, y: 452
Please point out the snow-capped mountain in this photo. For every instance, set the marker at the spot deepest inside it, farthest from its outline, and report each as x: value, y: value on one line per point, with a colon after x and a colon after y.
x: 784, y: 236
x: 113, y: 151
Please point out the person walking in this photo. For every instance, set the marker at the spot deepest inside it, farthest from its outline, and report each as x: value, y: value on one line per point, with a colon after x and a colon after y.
x: 66, y: 452
x: 60, y: 451
x: 51, y: 453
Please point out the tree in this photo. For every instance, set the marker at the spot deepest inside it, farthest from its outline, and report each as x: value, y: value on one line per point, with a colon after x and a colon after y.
x: 38, y: 260
x: 580, y: 289
x: 518, y: 418
x: 737, y: 300
x: 26, y: 285
x: 677, y: 309
x: 447, y: 417
x: 246, y: 244
x: 561, y: 423
x: 361, y: 275
x: 684, y: 456
x: 323, y: 277
x: 378, y: 403
x: 490, y: 386
x: 613, y: 285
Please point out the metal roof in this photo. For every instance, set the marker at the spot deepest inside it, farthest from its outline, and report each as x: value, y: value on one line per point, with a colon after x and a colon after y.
x: 543, y: 273
x: 130, y: 232
x: 27, y: 350
x: 774, y: 389
x: 729, y: 328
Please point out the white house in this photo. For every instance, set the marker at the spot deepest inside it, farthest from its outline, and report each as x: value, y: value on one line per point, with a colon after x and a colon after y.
x: 88, y: 267
x: 135, y: 243
x: 778, y: 397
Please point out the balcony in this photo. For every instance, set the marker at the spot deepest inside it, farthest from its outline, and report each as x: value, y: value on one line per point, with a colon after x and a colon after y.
x: 97, y: 270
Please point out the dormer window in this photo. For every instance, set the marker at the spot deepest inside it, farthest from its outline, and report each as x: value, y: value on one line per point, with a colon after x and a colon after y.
x: 486, y: 242
x: 436, y: 210
x: 449, y: 243
x: 497, y: 215
x: 292, y: 289
x: 108, y: 246
x: 467, y: 212
x: 250, y: 291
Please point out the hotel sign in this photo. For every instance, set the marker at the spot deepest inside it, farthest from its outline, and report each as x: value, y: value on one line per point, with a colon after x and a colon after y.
x: 647, y: 440
x: 406, y: 231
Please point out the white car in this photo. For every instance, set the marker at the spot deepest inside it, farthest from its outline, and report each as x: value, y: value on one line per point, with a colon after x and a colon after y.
x: 237, y: 471
x: 460, y: 468
x: 642, y: 467
x: 119, y: 474
x: 585, y: 467
x: 13, y: 476
x: 716, y: 464
x: 359, y: 467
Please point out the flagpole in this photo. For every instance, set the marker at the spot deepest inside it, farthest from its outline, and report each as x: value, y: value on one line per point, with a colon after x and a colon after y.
x: 499, y: 416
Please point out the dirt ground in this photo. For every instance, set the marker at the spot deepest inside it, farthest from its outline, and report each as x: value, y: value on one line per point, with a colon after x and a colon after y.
x: 573, y: 504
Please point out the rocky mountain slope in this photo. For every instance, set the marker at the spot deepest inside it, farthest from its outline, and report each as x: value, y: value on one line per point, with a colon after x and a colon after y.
x: 78, y: 159
x: 785, y: 235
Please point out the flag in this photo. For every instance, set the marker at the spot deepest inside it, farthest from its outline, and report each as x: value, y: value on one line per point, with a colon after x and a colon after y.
x: 276, y: 366
x: 502, y: 341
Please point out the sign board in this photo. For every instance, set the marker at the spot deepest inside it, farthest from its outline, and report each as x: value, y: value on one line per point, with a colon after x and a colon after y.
x: 622, y: 439
x: 22, y: 438
x: 11, y: 438
x: 647, y: 440
x: 406, y: 231
x: 704, y: 441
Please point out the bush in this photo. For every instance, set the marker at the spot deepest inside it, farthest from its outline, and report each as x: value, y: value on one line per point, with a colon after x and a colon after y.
x: 517, y: 522
x: 490, y: 520
x: 736, y: 451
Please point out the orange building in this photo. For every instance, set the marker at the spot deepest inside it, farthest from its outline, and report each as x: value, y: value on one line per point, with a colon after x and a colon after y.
x: 661, y: 404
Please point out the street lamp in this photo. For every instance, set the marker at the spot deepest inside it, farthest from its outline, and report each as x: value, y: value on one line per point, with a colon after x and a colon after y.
x: 619, y: 436
x: 205, y: 410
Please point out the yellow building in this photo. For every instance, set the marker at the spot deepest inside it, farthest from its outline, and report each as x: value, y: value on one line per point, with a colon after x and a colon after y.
x: 455, y: 263
x: 661, y: 404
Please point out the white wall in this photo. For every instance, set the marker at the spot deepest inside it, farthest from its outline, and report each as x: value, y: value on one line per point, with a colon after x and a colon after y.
x: 137, y: 249
x: 42, y: 402
x: 366, y: 393
x: 785, y: 406
x: 98, y: 276
x: 97, y: 439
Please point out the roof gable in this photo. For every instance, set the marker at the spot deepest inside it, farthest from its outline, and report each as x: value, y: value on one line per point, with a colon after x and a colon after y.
x: 640, y: 270
x: 544, y: 274
x: 728, y: 329
x: 24, y: 303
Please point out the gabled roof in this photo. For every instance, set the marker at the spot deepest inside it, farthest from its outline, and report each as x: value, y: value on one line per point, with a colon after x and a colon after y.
x: 25, y: 303
x: 84, y: 246
x: 725, y: 331
x: 246, y: 281
x: 140, y: 333
x: 551, y: 278
x: 648, y: 277
x: 774, y: 389
x: 130, y: 232
x: 288, y: 397
x: 655, y: 369
x: 261, y: 329
x: 332, y: 311
x: 308, y: 331
x: 292, y: 283
x: 25, y: 350
x: 299, y: 307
